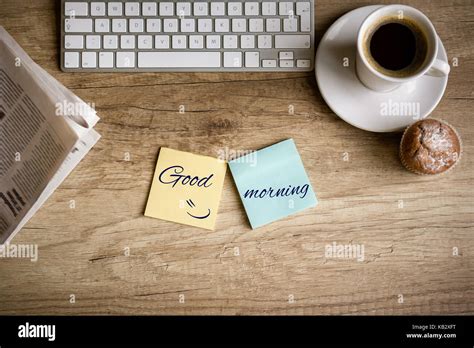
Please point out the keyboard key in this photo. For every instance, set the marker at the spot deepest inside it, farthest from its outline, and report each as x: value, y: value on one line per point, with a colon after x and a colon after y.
x: 162, y: 41
x: 256, y: 25
x: 290, y: 24
x: 213, y: 41
x: 102, y: 25
x: 303, y: 63
x: 149, y: 9
x: 204, y: 25
x: 286, y: 55
x: 286, y: 63
x: 132, y: 9
x: 73, y: 41
x: 153, y: 25
x: 170, y: 25
x: 196, y: 41
x: 166, y: 8
x: 230, y: 41
x: 93, y: 42
x: 273, y: 25
x: 110, y: 42
x: 188, y: 25
x: 232, y: 59
x: 269, y: 8
x: 125, y: 59
x: 183, y: 9
x: 252, y: 59
x: 78, y: 25
x: 234, y: 8
x: 302, y: 7
x: 98, y: 8
x: 71, y: 59
x: 145, y: 41
x: 217, y: 8
x: 239, y: 25
x: 292, y: 41
x: 305, y: 21
x: 286, y: 8
x: 135, y: 25
x: 252, y: 9
x: 74, y: 9
x: 247, y: 41
x: 106, y: 60
x: 222, y: 25
x: 200, y: 9
x: 89, y: 60
x: 114, y: 9
x: 127, y: 41
x: 119, y: 25
x: 179, y: 59
x: 264, y: 41
x: 269, y: 63
x: 179, y: 41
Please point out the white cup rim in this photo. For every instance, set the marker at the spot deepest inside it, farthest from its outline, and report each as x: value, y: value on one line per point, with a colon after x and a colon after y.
x: 428, y: 64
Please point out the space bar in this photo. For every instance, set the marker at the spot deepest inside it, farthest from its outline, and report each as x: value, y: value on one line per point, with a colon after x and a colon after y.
x: 179, y: 59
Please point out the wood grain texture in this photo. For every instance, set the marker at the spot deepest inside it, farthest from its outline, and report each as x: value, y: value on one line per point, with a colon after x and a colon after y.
x: 408, y: 250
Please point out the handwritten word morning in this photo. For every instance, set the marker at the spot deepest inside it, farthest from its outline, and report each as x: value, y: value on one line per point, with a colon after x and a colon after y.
x: 174, y: 175
x: 281, y: 192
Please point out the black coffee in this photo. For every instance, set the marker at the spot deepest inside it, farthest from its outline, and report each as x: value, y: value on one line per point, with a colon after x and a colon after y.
x: 397, y: 47
x: 393, y: 46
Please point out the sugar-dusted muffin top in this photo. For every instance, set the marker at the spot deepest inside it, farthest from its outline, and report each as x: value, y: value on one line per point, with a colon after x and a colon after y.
x: 430, y: 147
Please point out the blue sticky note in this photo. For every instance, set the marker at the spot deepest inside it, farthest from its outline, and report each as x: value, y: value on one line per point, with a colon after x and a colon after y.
x: 272, y: 183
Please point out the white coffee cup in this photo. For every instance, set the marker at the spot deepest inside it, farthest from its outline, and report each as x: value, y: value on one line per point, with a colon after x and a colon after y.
x: 380, y: 82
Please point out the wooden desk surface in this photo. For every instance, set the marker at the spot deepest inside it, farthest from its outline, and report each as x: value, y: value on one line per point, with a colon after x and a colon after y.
x: 277, y: 269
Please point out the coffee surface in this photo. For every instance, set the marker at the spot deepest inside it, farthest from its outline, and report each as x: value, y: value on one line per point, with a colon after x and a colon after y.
x: 393, y: 46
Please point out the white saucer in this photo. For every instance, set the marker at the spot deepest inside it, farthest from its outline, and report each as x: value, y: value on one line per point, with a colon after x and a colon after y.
x: 355, y: 103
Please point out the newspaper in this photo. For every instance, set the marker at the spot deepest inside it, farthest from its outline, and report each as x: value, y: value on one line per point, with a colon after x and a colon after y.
x: 45, y: 131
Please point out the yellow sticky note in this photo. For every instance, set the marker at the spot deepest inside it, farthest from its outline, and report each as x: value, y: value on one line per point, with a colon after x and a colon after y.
x: 186, y: 188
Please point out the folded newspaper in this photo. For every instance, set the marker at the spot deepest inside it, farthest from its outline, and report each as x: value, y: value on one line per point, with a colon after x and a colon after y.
x: 45, y: 131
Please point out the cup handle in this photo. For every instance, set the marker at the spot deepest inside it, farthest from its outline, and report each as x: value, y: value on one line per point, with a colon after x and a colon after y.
x: 440, y: 68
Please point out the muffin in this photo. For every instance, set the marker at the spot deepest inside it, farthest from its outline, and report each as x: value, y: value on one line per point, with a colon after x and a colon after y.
x: 430, y: 147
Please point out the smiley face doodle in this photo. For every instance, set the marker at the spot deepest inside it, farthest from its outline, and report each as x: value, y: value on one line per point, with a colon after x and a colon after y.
x: 192, y: 205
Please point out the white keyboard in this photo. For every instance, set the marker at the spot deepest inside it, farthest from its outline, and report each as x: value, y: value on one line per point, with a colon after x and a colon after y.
x: 187, y: 35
